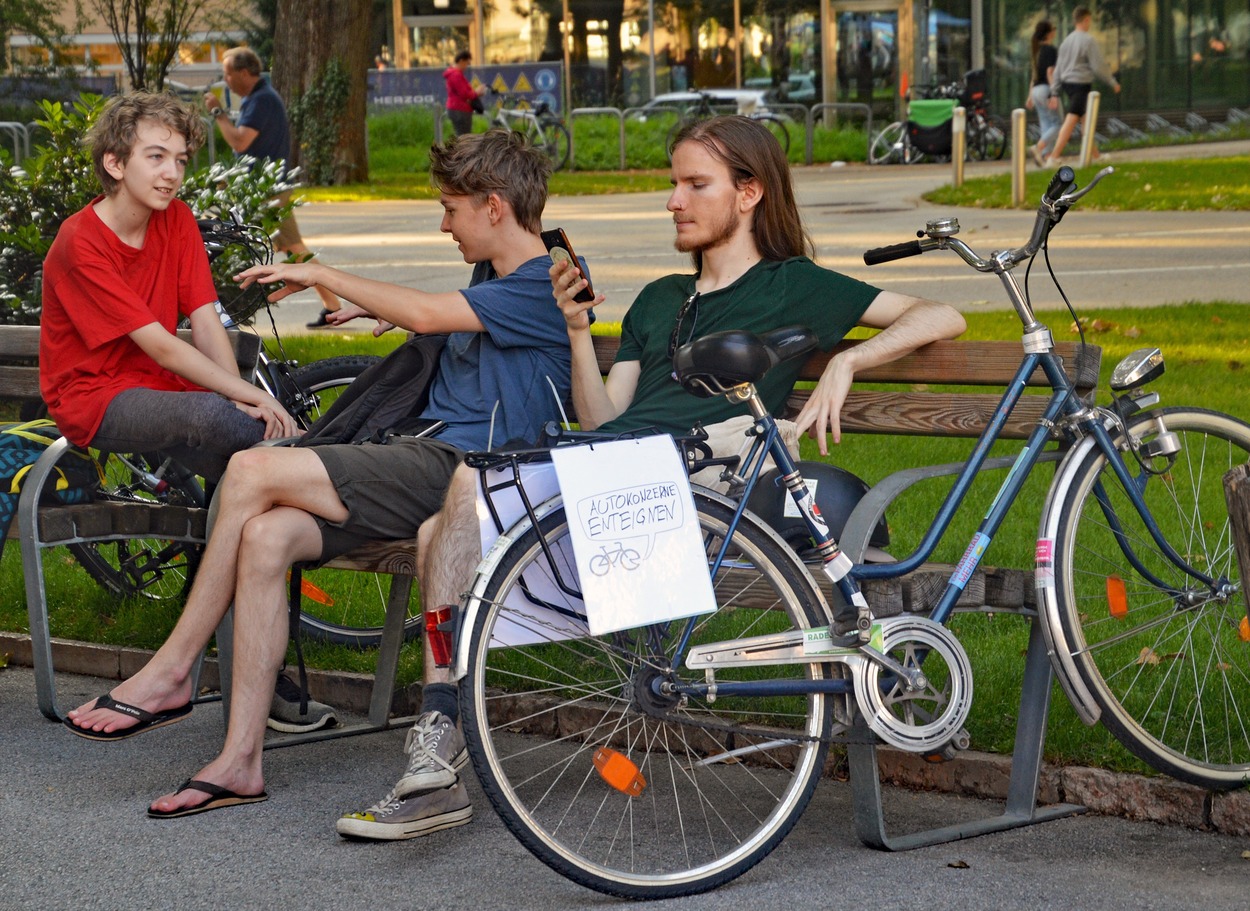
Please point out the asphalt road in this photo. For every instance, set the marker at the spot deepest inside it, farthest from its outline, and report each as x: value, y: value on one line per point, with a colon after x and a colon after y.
x: 1104, y: 259
x: 73, y: 835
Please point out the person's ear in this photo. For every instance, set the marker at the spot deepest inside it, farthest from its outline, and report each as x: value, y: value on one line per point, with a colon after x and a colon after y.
x: 495, y: 208
x: 750, y: 193
x: 113, y: 166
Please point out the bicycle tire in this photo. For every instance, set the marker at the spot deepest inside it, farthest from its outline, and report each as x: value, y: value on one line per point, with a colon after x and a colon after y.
x: 556, y: 142
x: 777, y: 126
x: 325, y: 380
x: 987, y: 138
x: 889, y: 146
x: 534, y: 715
x: 154, y: 568
x: 341, y: 607
x: 1169, y: 678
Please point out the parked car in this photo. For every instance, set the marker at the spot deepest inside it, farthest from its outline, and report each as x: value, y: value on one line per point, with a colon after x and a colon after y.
x: 799, y: 88
x: 735, y: 101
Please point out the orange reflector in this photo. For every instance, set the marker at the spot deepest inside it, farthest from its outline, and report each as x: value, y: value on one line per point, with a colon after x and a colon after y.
x: 1243, y: 630
x: 312, y: 592
x: 1117, y: 597
x: 619, y: 771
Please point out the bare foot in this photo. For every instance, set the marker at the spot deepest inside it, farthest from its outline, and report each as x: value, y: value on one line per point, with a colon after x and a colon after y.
x: 241, y: 779
x: 151, y: 695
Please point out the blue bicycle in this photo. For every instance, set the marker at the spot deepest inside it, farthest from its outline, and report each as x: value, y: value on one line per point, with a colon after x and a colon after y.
x: 670, y: 758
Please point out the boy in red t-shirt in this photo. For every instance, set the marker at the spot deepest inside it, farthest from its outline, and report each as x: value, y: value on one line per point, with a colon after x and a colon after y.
x: 119, y: 276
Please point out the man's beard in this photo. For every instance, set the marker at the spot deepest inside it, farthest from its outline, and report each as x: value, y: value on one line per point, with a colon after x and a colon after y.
x: 722, y: 233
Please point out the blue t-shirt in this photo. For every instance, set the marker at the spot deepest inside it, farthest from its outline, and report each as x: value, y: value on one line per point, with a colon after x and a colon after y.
x: 264, y: 112
x: 503, y: 373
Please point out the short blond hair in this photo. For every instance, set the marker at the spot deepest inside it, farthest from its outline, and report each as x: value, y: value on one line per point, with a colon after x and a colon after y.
x: 242, y: 58
x: 116, y: 130
x: 497, y: 161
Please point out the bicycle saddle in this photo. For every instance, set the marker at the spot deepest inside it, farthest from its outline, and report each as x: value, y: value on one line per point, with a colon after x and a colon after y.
x: 715, y: 363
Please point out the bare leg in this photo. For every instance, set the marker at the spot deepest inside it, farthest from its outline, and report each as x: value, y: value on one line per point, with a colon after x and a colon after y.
x: 257, y: 481
x: 448, y: 547
x: 270, y: 543
x: 1065, y: 133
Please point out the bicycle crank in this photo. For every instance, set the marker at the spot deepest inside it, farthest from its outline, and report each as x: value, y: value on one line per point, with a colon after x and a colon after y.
x: 923, y: 711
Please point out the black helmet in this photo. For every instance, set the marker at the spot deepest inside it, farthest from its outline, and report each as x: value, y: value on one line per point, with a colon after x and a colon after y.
x: 838, y: 491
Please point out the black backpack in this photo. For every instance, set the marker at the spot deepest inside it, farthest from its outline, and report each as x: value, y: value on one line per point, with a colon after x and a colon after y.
x: 385, y: 400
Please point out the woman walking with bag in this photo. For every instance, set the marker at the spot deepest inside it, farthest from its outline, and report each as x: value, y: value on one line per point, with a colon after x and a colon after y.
x: 1043, y: 54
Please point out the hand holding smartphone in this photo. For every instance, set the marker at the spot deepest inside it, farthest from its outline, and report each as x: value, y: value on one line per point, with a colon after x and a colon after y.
x: 557, y: 244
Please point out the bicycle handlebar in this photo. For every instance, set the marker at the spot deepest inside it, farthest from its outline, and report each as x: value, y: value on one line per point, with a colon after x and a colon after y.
x: 1058, y: 197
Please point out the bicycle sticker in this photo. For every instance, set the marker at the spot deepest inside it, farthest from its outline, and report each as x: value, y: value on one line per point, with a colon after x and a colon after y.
x: 1044, y: 557
x: 968, y: 562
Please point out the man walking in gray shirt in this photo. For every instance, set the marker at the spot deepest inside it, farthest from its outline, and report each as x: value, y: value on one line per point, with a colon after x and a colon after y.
x: 1080, y: 62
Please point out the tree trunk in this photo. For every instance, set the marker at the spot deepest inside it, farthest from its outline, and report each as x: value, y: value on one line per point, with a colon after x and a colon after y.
x: 308, y: 34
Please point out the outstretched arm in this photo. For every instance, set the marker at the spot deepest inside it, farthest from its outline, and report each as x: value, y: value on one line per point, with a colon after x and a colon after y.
x: 906, y: 323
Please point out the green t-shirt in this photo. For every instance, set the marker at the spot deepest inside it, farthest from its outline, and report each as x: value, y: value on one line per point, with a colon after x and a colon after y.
x: 771, y: 295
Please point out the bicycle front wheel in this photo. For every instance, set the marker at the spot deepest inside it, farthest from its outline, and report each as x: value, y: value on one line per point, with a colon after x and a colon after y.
x: 987, y: 137
x: 545, y: 705
x: 1169, y: 666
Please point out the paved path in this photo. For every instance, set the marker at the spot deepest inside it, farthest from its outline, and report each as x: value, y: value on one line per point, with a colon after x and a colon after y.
x: 74, y: 836
x: 1112, y: 259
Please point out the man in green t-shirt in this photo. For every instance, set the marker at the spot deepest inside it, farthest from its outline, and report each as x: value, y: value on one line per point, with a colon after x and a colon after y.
x: 735, y: 213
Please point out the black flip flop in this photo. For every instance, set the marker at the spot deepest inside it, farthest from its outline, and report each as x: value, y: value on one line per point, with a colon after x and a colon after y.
x: 218, y: 797
x: 147, y: 720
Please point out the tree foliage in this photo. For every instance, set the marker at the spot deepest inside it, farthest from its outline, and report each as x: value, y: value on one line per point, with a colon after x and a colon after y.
x: 36, y: 18
x: 149, y: 32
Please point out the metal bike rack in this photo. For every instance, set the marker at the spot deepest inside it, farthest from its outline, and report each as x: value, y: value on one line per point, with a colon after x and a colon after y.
x: 620, y: 120
x: 1021, y: 807
x: 834, y: 107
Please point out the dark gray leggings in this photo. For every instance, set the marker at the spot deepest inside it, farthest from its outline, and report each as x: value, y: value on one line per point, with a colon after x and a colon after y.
x: 199, y: 429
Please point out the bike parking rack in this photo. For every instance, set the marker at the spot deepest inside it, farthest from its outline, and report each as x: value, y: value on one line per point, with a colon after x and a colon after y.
x: 620, y: 119
x: 1021, y: 808
x: 834, y: 107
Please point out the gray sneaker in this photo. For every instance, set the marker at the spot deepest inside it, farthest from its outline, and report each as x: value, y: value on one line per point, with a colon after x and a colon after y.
x: 395, y: 818
x: 284, y: 713
x: 436, y: 752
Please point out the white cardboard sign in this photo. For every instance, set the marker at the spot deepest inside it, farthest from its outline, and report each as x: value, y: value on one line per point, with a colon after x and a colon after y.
x: 636, y: 539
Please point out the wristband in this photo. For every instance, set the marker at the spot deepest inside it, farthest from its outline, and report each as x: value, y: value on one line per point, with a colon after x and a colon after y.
x: 216, y: 112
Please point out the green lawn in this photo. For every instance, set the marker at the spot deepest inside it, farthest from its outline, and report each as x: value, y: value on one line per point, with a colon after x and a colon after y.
x: 1194, y: 184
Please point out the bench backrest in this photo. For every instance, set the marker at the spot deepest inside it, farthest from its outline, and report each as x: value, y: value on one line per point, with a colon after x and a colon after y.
x: 913, y: 410
x: 19, y: 359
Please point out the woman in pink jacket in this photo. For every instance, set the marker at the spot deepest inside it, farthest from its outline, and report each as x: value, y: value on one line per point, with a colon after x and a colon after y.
x: 460, y: 95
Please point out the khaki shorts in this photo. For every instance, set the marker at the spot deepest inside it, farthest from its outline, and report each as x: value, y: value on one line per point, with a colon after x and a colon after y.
x: 287, y: 235
x: 389, y: 489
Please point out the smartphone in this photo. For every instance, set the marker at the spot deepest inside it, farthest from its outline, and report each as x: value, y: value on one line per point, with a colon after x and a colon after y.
x: 557, y: 243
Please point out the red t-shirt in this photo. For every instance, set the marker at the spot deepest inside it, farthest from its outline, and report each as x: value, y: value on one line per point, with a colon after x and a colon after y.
x: 97, y: 290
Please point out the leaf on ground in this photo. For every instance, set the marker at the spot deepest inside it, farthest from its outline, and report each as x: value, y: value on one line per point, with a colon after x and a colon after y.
x: 1132, y: 332
x: 1245, y: 855
x: 958, y: 865
x: 1146, y: 656
x: 4, y: 659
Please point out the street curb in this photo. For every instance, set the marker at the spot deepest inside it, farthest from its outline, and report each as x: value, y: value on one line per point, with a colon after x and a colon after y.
x: 972, y: 773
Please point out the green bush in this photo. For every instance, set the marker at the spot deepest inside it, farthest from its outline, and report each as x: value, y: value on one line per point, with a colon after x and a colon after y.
x: 58, y: 180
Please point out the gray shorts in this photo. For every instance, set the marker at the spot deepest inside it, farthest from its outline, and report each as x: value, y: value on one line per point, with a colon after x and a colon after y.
x: 389, y: 489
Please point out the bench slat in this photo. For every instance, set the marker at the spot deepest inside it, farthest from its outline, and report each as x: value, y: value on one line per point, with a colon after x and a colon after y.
x: 929, y: 413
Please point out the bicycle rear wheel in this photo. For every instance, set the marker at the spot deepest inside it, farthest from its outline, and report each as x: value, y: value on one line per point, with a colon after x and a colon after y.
x: 1170, y: 671
x: 153, y: 568
x: 890, y: 145
x: 777, y: 126
x: 725, y: 780
x: 987, y: 138
x: 555, y: 142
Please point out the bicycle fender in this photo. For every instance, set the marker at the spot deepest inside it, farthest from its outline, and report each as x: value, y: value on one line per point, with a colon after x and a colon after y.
x: 1057, y: 645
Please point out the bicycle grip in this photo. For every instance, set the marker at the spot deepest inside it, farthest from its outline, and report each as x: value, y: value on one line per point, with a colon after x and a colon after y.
x: 1063, y: 180
x: 879, y: 255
